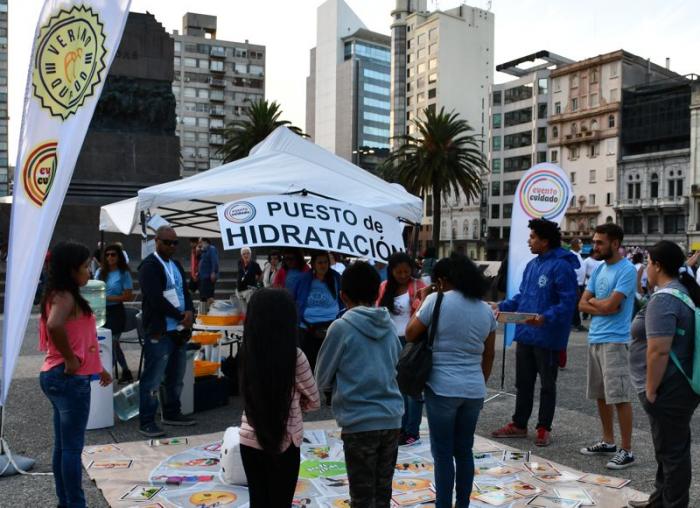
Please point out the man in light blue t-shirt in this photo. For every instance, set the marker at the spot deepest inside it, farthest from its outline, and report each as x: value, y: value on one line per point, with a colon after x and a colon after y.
x: 609, y: 299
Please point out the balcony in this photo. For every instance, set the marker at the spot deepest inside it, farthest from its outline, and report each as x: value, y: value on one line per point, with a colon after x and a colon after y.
x: 580, y: 137
x: 217, y: 52
x: 218, y: 111
x: 216, y: 139
x: 218, y: 69
x: 216, y: 96
x: 672, y: 202
x: 583, y: 210
x: 629, y: 204
x: 217, y: 82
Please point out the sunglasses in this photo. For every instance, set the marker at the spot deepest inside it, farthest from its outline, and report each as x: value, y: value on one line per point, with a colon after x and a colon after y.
x: 169, y: 243
x: 111, y: 254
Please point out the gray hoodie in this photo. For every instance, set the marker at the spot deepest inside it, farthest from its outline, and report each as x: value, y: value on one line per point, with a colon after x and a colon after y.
x: 358, y: 363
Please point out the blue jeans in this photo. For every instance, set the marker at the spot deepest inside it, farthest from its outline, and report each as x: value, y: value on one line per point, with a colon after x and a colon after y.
x: 70, y: 398
x: 452, y: 424
x: 164, y: 362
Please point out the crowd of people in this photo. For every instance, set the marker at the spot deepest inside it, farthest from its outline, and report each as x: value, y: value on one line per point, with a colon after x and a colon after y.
x: 342, y: 334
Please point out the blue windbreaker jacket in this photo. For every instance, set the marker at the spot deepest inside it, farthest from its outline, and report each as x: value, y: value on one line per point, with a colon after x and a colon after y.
x: 548, y: 288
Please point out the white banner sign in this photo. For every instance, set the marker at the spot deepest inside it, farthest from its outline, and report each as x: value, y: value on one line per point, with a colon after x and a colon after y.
x: 312, y: 223
x: 74, y: 45
x: 544, y: 192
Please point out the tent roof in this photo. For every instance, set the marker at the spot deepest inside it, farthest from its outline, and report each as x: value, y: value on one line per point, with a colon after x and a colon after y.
x: 283, y: 163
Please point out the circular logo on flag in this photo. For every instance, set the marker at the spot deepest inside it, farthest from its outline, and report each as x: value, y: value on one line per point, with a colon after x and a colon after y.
x: 240, y: 212
x: 544, y: 194
x: 38, y: 172
x: 69, y: 60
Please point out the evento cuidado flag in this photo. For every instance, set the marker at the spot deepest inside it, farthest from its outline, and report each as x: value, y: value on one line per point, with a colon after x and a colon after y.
x: 74, y: 46
x: 543, y: 192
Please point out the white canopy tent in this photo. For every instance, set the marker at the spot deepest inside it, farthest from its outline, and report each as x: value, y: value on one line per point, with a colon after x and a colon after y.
x: 284, y: 163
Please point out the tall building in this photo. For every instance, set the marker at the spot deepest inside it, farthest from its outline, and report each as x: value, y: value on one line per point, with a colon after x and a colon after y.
x: 694, y: 170
x: 517, y: 138
x: 348, y: 87
x: 654, y: 176
x: 584, y: 135
x: 449, y: 63
x: 214, y: 81
x: 4, y: 163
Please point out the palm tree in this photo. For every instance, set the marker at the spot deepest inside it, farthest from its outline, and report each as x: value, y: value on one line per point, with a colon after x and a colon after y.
x: 441, y: 158
x: 261, y: 118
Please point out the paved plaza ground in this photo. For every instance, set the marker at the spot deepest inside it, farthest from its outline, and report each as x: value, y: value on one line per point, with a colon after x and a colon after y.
x: 29, y: 430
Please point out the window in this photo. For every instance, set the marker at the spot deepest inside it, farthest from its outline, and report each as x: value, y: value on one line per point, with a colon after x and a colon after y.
x: 610, y: 146
x: 216, y: 66
x: 421, y: 39
x: 410, y: 72
x: 634, y: 190
x: 176, y: 61
x: 542, y: 134
x: 632, y: 225
x: 178, y: 46
x: 409, y: 57
x: 541, y: 86
x: 611, y: 121
x: 555, y: 132
x: 190, y: 92
x: 517, y: 117
x: 594, y: 125
x: 496, y: 188
x: 557, y: 84
x: 591, y: 176
x: 496, y: 98
x: 495, y: 211
x: 574, y: 104
x: 573, y: 153
x: 609, y: 174
x: 421, y: 54
x: 432, y: 49
x: 675, y: 187
x: 652, y: 224
x: 572, y: 203
x: 613, y: 70
x: 542, y: 110
x: 517, y: 140
x: 509, y: 187
x: 613, y: 95
x: 432, y: 64
x: 574, y: 81
x: 517, y: 93
x: 654, y: 185
x: 496, y: 121
x: 202, y: 93
x: 554, y: 155
x: 432, y: 78
x: 496, y: 166
x: 520, y: 163
x: 496, y: 143
x: 190, y: 62
x: 432, y: 93
x: 593, y: 150
x: 557, y: 108
x: 573, y: 129
x: 420, y: 97
x: 189, y: 120
x: 507, y: 210
x: 432, y: 34
x: 674, y: 224
x: 594, y: 75
x: 609, y: 199
x: 591, y: 199
x: 420, y: 69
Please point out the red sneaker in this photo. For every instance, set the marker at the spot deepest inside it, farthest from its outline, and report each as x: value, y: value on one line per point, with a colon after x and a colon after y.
x: 543, y: 437
x: 509, y: 430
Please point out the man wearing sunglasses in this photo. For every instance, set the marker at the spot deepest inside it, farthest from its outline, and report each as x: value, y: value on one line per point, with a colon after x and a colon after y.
x: 167, y: 316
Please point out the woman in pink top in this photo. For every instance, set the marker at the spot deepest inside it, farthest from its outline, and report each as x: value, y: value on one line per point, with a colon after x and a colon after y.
x: 277, y: 385
x: 68, y: 334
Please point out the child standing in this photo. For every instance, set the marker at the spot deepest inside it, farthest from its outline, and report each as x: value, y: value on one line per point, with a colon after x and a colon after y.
x: 357, y: 361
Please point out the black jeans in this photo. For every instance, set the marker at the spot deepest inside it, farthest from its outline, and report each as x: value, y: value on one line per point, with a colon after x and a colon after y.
x: 370, y: 458
x: 669, y: 417
x: 529, y: 362
x: 272, y: 478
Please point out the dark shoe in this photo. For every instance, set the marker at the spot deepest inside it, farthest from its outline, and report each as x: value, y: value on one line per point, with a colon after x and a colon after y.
x: 509, y: 430
x: 601, y: 448
x: 408, y: 439
x: 622, y: 460
x: 543, y: 438
x: 151, y: 430
x: 639, y: 504
x: 178, y: 420
x: 126, y: 377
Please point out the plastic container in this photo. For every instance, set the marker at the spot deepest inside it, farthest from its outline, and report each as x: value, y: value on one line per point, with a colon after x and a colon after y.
x: 101, y: 397
x: 126, y: 402
x: 206, y: 338
x: 205, y: 368
x: 94, y: 293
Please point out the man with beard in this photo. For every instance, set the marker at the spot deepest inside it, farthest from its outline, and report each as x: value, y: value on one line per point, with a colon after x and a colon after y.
x: 609, y: 299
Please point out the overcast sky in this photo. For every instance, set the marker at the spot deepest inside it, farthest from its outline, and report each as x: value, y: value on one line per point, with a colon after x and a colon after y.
x: 653, y: 29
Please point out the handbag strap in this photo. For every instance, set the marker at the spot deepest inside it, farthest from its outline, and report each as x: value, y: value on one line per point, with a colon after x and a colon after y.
x: 434, y: 320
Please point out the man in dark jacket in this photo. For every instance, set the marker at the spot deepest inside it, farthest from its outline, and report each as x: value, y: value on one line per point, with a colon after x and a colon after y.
x: 167, y: 313
x: 549, y: 290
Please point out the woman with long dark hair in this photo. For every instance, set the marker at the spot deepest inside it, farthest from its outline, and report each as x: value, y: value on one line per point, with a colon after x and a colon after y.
x: 68, y: 334
x: 317, y: 294
x: 463, y: 355
x: 114, y: 272
x: 278, y: 385
x: 401, y: 295
x: 663, y: 337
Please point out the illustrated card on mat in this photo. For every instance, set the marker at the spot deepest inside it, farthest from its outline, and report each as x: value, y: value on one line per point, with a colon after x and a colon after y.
x: 206, y: 495
x: 334, y: 502
x: 101, y: 449
x: 315, y: 437
x: 111, y: 464
x: 414, y: 497
x: 494, y: 495
x: 501, y: 471
x: 516, y: 456
x: 487, y: 456
x: 168, y: 442
x: 604, y: 481
x: 149, y: 505
x: 575, y: 493
x: 541, y: 468
x: 401, y: 485
x: 523, y: 488
x: 553, y: 502
x: 562, y: 477
x: 140, y: 493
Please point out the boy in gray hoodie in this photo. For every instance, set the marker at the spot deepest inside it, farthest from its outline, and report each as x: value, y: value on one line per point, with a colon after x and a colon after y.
x: 357, y: 361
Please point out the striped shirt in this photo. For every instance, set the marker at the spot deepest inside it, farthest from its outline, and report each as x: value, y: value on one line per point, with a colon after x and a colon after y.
x: 304, y: 398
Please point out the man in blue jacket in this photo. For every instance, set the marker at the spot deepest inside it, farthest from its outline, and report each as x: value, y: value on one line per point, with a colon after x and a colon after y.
x: 208, y: 269
x: 548, y: 289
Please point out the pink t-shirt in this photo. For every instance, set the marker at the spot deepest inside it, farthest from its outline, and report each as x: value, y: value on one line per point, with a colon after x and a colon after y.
x: 305, y: 398
x: 82, y: 338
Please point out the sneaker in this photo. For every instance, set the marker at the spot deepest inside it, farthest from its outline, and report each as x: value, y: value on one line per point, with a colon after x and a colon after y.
x: 543, y: 437
x: 622, y: 459
x: 509, y: 430
x: 601, y: 448
x: 151, y: 430
x: 408, y: 439
x: 178, y: 420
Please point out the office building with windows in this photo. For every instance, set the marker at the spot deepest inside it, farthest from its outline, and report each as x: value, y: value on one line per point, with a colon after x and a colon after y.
x: 348, y: 87
x: 5, y: 176
x: 585, y: 105
x: 214, y: 82
x: 654, y: 177
x: 448, y: 62
x: 517, y: 138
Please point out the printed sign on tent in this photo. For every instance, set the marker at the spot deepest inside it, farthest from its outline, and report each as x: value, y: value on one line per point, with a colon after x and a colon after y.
x: 544, y: 192
x: 309, y: 222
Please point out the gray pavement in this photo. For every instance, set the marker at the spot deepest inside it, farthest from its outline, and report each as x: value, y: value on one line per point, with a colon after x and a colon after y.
x: 29, y: 430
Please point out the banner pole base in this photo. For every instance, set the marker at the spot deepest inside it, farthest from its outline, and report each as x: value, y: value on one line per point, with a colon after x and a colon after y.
x: 498, y: 394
